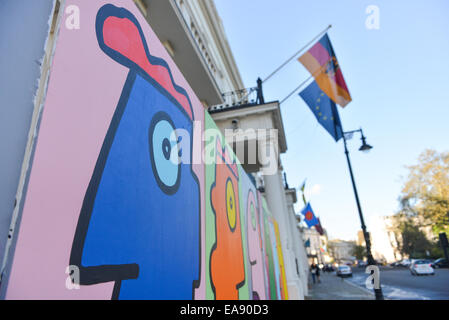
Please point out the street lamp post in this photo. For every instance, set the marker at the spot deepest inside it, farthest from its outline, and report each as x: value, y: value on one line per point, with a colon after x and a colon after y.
x: 365, y: 147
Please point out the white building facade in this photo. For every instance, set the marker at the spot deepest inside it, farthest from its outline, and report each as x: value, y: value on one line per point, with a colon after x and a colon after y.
x: 385, y: 246
x: 342, y: 251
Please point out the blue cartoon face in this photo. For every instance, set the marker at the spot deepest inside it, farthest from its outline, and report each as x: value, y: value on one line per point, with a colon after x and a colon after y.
x: 139, y: 225
x: 143, y: 227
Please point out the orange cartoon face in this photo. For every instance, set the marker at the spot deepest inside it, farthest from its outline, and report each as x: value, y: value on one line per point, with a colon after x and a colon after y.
x: 227, y: 266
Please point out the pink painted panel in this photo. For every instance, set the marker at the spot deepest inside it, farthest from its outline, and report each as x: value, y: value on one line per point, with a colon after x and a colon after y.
x: 83, y: 92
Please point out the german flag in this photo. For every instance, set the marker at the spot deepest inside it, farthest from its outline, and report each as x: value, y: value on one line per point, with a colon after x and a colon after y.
x: 322, y: 63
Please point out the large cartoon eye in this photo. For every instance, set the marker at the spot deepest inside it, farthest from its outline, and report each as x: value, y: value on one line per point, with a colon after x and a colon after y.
x: 164, y: 153
x: 231, y: 209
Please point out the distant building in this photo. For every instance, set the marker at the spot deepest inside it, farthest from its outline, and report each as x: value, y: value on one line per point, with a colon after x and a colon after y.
x: 342, y: 250
x: 360, y: 238
x: 384, y: 243
x: 317, y: 251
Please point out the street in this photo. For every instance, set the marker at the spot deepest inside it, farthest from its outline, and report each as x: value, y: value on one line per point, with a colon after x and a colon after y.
x: 332, y: 287
x: 399, y: 284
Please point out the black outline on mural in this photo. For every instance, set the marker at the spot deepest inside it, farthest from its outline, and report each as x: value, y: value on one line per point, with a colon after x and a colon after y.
x: 118, y: 273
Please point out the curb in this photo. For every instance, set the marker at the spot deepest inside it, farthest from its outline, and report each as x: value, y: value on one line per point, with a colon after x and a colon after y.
x: 358, y: 287
x: 365, y: 289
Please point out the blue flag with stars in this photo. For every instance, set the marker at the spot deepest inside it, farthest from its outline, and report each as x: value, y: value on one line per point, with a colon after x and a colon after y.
x: 323, y: 108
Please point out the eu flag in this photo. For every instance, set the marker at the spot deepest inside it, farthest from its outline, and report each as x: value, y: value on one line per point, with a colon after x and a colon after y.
x: 323, y: 108
x: 309, y: 216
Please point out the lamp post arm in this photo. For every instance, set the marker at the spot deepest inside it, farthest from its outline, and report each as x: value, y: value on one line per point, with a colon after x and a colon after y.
x: 353, y: 131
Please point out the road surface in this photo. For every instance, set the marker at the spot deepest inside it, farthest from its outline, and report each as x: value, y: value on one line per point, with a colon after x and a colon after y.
x: 398, y: 283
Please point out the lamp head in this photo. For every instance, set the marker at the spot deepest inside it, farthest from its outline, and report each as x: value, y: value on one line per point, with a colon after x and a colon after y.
x: 365, y: 147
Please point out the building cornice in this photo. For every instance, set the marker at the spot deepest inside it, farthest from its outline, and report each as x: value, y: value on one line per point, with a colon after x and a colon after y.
x: 223, y: 113
x: 216, y: 26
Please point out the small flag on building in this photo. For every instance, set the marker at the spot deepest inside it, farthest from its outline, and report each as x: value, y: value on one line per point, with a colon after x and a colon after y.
x: 322, y: 63
x: 323, y: 108
x: 307, y: 243
x: 309, y: 216
x: 319, y: 228
x: 302, y: 188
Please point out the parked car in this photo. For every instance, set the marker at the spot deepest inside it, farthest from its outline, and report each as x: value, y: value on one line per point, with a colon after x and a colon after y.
x: 440, y: 263
x: 395, y: 264
x: 361, y: 263
x: 405, y: 263
x: 344, y: 271
x: 421, y: 267
x: 328, y: 268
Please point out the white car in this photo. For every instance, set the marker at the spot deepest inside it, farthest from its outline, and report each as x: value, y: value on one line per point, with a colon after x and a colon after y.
x: 344, y: 271
x: 421, y: 267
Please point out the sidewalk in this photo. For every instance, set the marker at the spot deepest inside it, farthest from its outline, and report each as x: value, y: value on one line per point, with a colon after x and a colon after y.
x: 335, y: 288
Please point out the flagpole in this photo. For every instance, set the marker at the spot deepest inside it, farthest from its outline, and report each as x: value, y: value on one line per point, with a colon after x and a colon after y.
x: 288, y: 60
x: 296, y: 89
x: 298, y: 52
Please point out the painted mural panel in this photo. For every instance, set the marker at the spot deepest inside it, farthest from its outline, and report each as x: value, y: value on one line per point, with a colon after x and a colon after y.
x: 116, y: 206
x: 227, y: 266
x: 282, y: 277
x: 106, y: 200
x: 255, y: 262
x: 242, y: 239
x: 271, y: 260
x: 136, y: 179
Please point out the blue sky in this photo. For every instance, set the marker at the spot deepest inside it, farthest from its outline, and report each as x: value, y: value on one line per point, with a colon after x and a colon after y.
x: 398, y: 79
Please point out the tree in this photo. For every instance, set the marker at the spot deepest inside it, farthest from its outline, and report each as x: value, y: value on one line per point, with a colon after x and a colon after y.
x: 332, y: 251
x: 414, y: 242
x: 424, y: 206
x: 359, y: 252
x: 425, y: 193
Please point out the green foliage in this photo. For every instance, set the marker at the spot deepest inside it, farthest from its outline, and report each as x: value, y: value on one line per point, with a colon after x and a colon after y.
x: 359, y: 252
x: 426, y: 191
x: 437, y: 252
x: 424, y: 204
x: 331, y: 250
x: 414, y: 242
